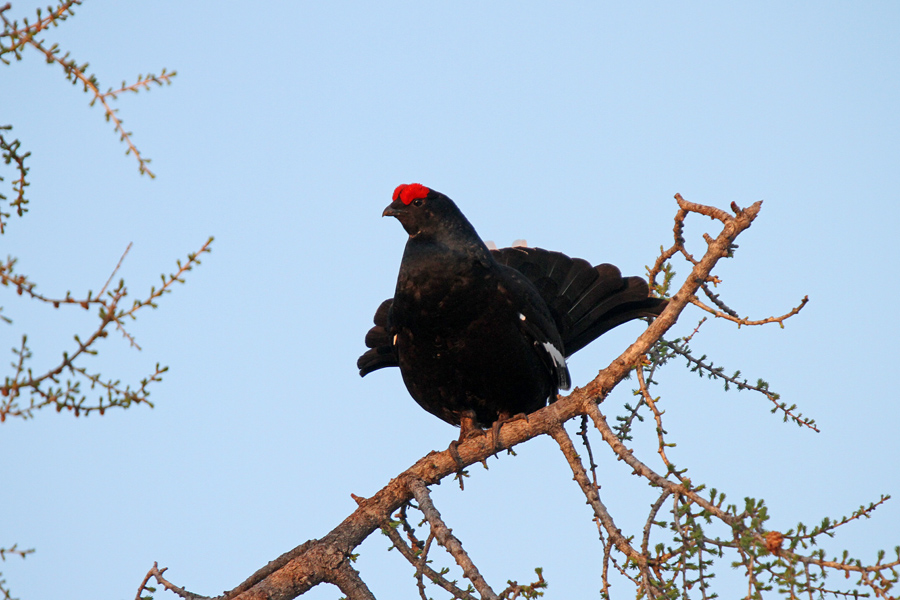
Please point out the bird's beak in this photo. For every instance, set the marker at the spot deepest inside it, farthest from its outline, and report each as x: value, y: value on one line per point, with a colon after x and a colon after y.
x: 402, y: 213
x: 394, y: 209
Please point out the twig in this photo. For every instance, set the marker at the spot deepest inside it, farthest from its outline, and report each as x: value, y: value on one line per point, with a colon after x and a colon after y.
x: 14, y: 550
x: 562, y: 438
x: 654, y: 509
x: 660, y: 432
x: 156, y: 573
x: 9, y: 152
x: 761, y: 387
x: 163, y: 78
x: 45, y: 389
x: 62, y: 12
x: 116, y: 270
x: 732, y: 316
x: 446, y: 539
x: 701, y: 209
x: 421, y: 564
x: 583, y: 433
x: 830, y: 525
x: 74, y: 72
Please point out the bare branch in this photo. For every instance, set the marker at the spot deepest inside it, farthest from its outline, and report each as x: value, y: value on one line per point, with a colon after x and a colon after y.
x: 421, y: 564
x: 562, y: 438
x: 116, y: 270
x: 156, y: 573
x: 654, y: 510
x: 600, y: 511
x: 446, y: 539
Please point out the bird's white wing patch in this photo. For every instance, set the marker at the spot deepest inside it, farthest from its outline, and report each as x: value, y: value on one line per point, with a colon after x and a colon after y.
x: 559, y: 361
x: 556, y: 356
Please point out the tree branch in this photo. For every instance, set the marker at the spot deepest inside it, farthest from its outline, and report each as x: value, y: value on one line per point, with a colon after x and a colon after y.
x: 446, y: 539
x: 600, y: 512
x: 317, y: 561
x: 347, y: 579
x: 420, y: 562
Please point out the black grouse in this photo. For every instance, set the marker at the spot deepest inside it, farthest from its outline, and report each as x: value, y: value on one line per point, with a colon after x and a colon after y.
x: 481, y: 335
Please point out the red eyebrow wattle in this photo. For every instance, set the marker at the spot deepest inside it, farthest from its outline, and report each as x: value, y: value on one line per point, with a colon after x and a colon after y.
x: 409, y: 192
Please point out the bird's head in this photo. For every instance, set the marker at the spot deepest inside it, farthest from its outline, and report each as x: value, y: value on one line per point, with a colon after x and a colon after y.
x: 427, y: 214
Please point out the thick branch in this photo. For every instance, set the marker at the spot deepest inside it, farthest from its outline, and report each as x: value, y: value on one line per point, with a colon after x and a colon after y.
x: 348, y: 581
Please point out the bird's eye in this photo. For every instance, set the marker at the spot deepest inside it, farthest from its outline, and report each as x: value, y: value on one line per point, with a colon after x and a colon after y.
x: 417, y: 202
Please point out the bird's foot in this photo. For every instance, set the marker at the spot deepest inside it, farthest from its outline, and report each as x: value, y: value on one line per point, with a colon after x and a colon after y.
x: 453, y: 449
x: 495, y: 436
x: 495, y: 428
x: 467, y: 427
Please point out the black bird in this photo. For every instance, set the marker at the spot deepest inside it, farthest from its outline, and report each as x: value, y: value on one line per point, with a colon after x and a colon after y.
x: 482, y: 335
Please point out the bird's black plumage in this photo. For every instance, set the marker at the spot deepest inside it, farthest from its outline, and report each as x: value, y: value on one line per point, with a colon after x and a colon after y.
x: 481, y: 335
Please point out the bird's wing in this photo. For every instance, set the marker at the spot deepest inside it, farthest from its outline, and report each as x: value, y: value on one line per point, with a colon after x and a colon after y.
x: 537, y: 324
x: 380, y: 340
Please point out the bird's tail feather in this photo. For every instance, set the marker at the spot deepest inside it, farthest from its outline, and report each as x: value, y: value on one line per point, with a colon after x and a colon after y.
x: 382, y: 352
x: 585, y: 301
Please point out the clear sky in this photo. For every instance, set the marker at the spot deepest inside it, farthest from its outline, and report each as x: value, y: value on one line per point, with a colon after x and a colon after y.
x: 568, y: 124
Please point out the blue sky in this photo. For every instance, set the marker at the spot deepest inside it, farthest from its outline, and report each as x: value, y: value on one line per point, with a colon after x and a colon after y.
x: 570, y: 125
